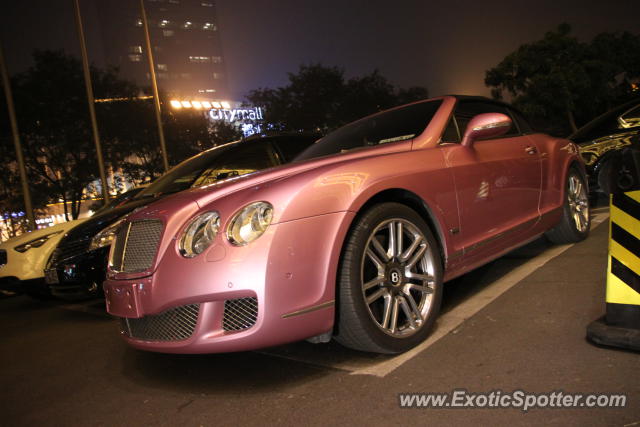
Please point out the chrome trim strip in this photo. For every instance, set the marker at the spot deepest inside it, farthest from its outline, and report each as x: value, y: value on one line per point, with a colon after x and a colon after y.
x: 517, y: 229
x: 124, y: 248
x: 492, y: 125
x: 310, y: 309
x: 455, y: 255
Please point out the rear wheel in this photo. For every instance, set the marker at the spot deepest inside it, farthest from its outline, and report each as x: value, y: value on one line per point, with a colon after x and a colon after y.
x: 390, y: 281
x: 576, y: 222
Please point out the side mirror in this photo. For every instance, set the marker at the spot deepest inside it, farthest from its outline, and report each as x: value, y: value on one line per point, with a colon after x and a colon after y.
x: 486, y: 125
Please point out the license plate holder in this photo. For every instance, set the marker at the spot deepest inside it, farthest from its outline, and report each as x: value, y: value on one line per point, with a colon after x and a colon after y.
x: 122, y: 300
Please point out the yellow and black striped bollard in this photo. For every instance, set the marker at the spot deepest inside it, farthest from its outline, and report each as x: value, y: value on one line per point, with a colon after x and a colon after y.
x: 620, y: 327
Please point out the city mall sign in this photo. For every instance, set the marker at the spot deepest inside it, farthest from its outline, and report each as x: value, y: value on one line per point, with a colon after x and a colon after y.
x: 236, y: 114
x: 249, y: 119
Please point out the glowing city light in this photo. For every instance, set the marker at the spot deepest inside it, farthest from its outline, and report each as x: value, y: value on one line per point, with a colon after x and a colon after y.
x: 186, y: 104
x: 176, y: 104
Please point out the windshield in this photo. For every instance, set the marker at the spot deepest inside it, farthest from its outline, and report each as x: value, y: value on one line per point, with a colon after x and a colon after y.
x: 390, y: 126
x: 226, y: 161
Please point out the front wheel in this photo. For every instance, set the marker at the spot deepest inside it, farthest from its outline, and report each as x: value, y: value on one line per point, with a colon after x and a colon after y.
x: 390, y: 281
x: 616, y: 177
x: 576, y: 221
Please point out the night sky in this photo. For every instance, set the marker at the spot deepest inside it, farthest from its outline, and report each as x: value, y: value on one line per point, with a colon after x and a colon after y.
x: 443, y: 45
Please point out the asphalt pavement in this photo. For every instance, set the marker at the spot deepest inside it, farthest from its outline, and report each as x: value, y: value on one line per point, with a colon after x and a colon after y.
x: 518, y: 323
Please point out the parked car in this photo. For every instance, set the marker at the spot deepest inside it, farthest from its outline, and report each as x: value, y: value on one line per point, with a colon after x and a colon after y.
x: 354, y: 239
x: 604, y: 138
x: 77, y: 268
x: 23, y: 259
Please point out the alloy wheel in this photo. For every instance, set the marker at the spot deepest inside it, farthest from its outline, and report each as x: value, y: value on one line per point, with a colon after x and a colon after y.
x: 398, y: 277
x: 578, y: 203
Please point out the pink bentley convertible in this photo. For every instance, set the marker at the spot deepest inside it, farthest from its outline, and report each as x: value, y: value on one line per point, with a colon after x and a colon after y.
x: 352, y: 241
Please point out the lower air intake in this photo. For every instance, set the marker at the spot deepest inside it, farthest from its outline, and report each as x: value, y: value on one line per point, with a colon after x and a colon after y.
x: 176, y: 324
x: 240, y: 313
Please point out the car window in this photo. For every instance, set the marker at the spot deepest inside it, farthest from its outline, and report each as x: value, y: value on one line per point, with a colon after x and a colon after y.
x: 291, y: 146
x: 249, y: 158
x: 450, y: 133
x: 400, y: 124
x: 522, y: 123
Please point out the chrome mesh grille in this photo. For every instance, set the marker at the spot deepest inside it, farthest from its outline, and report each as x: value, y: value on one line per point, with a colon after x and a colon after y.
x: 176, y: 324
x: 240, y: 313
x: 69, y: 249
x: 136, y: 246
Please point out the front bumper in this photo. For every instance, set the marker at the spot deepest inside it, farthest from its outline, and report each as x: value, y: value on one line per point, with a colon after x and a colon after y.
x: 79, y: 277
x: 278, y: 289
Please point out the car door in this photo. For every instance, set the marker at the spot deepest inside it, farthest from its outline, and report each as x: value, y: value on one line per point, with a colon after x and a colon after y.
x: 497, y: 181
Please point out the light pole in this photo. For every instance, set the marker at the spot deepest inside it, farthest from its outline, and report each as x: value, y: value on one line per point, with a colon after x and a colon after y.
x: 154, y: 85
x: 92, y: 109
x: 31, y: 223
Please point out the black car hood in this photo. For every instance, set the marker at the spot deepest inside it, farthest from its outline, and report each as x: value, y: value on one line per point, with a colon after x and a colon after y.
x: 77, y: 240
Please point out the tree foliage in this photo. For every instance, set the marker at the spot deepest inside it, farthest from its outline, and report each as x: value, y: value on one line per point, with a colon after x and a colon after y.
x: 58, y: 145
x: 319, y: 98
x: 562, y: 82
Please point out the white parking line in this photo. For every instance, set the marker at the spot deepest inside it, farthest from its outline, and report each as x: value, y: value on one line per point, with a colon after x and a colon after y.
x: 463, y: 311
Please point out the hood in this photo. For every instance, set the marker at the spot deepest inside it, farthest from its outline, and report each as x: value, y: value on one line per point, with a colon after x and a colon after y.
x: 93, y: 225
x: 204, y: 195
x: 610, y: 142
x: 25, y: 237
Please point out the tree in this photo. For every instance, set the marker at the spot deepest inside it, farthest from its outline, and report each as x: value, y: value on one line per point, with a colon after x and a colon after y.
x: 51, y: 106
x: 562, y: 82
x: 131, y: 127
x: 319, y: 98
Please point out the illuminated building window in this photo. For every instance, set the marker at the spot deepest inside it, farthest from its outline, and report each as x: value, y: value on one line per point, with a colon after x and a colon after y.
x: 163, y: 76
x: 138, y: 22
x: 216, y: 59
x: 187, y: 25
x: 206, y: 90
x: 135, y: 58
x: 208, y: 26
x: 200, y: 59
x: 135, y: 49
x: 163, y: 23
x: 162, y: 67
x: 206, y: 4
x: 218, y: 76
x: 185, y: 76
x: 167, y: 33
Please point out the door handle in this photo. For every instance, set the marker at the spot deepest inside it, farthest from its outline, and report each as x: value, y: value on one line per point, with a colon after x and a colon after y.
x: 531, y: 150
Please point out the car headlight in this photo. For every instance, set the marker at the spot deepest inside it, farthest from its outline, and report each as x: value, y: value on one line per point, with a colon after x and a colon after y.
x: 106, y: 236
x: 35, y: 243
x: 250, y: 223
x: 199, y: 234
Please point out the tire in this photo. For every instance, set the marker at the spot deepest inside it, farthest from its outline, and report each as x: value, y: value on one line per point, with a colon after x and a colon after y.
x: 403, y: 285
x: 623, y: 179
x: 576, y: 221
